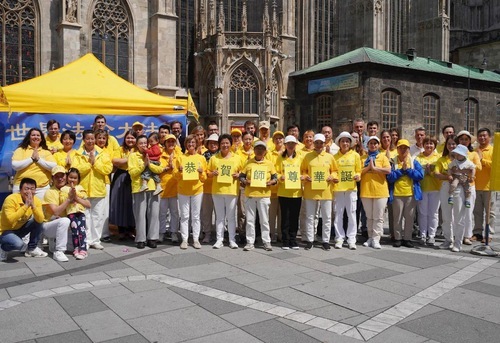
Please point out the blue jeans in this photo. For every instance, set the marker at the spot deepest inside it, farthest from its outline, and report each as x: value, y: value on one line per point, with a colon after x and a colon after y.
x: 12, y: 239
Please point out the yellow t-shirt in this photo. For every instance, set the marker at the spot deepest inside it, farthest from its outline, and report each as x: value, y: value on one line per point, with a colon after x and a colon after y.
x: 474, y: 157
x: 168, y: 179
x: 52, y: 196
x: 245, y: 155
x: 74, y: 207
x: 273, y: 155
x: 61, y: 156
x: 34, y: 171
x: 442, y: 168
x: 15, y: 214
x: 403, y: 187
x: 93, y: 177
x: 190, y: 187
x: 430, y: 183
x: 349, y: 165
x: 225, y: 188
x: 440, y: 149
x: 258, y: 192
x: 483, y: 175
x: 392, y: 153
x: 323, y: 159
x: 281, y: 164
x: 374, y: 184
x: 54, y: 143
x: 136, y: 167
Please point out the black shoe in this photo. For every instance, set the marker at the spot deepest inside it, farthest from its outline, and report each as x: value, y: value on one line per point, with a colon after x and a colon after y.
x: 106, y: 239
x: 396, y: 244
x: 325, y: 246
x: 309, y: 245
x: 364, y: 234
x: 152, y: 244
x: 141, y: 245
x: 408, y: 244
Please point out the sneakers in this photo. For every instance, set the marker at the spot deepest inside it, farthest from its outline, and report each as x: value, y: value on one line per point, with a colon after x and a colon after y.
x: 285, y: 247
x: 196, y: 244
x: 376, y: 245
x: 422, y: 241
x: 368, y: 243
x: 233, y: 245
x: 467, y: 203
x: 207, y: 238
x: 450, y: 200
x: 309, y: 246
x: 268, y: 247
x: 37, y: 252
x: 455, y: 249
x: 407, y: 244
x: 396, y: 244
x: 158, y: 190
x: 352, y: 246
x: 431, y: 241
x: 184, y: 245
x: 144, y: 188
x: 81, y: 255
x: 59, y: 256
x: 218, y: 244
x: 97, y: 246
x: 325, y: 246
x: 446, y: 245
x: 248, y: 247
x: 294, y: 246
x: 338, y: 245
x: 467, y: 241
x: 3, y: 255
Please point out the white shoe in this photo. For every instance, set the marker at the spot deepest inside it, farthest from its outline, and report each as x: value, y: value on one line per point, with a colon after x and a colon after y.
x: 376, y: 245
x: 352, y: 246
x: 446, y: 245
x: 248, y: 247
x: 143, y: 188
x: 218, y: 244
x: 158, y: 190
x: 196, y: 245
x: 368, y: 243
x: 97, y: 246
x: 285, y: 247
x: 338, y: 245
x: 455, y: 249
x: 3, y: 255
x: 37, y: 252
x: 233, y: 245
x: 184, y: 245
x: 59, y: 256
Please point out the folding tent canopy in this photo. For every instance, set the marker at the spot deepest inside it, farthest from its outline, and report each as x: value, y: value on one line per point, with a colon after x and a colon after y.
x: 86, y: 86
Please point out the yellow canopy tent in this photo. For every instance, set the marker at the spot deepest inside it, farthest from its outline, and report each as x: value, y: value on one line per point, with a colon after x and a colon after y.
x: 86, y: 86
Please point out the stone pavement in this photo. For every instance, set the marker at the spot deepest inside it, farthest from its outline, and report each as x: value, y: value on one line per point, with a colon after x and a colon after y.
x: 122, y: 294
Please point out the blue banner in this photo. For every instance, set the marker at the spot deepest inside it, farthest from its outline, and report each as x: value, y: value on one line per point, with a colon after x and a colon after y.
x: 13, y: 129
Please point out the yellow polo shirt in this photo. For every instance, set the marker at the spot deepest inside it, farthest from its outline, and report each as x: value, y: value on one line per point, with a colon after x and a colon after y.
x: 93, y: 177
x: 349, y: 165
x: 258, y: 192
x: 15, y: 214
x: 54, y: 143
x: 190, y: 187
x: 74, y: 207
x: 225, y: 188
x: 373, y: 184
x: 403, y: 187
x: 442, y: 168
x: 136, y: 167
x: 34, y: 170
x: 168, y: 179
x: 314, y: 159
x: 281, y: 164
x: 430, y: 183
x: 483, y: 175
x: 61, y: 155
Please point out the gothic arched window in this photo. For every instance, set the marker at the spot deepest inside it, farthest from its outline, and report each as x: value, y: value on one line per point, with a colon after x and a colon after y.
x: 18, y: 31
x: 111, y: 35
x: 243, y: 92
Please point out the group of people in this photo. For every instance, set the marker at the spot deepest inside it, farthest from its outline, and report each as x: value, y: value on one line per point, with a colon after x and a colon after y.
x: 255, y: 185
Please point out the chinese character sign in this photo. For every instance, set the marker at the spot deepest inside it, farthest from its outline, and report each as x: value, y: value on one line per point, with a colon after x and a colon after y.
x: 226, y: 170
x: 190, y: 165
x: 318, y: 178
x: 259, y: 176
x: 292, y: 177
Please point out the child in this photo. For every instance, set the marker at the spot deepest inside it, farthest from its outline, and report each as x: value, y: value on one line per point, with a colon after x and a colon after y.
x: 460, y: 170
x: 76, y: 212
x: 154, y: 154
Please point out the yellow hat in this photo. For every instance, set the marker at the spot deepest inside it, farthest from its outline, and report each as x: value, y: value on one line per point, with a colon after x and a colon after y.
x: 170, y: 136
x: 280, y: 133
x: 236, y: 131
x: 58, y: 169
x: 138, y: 123
x: 403, y: 142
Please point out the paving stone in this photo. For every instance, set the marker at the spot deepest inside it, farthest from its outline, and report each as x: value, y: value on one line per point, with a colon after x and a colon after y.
x: 103, y: 326
x: 215, y: 306
x: 125, y: 272
x: 145, y: 285
x: 483, y: 287
x: 284, y: 255
x: 425, y: 277
x: 396, y: 334
x: 240, y: 259
x: 204, y: 272
x: 277, y: 283
x: 273, y: 331
x: 297, y: 299
x: 3, y: 294
x: 146, y: 303
x: 423, y: 312
x: 239, y: 289
x: 235, y: 335
x: 245, y: 278
x: 112, y: 291
x: 276, y: 269
x: 27, y: 316
x: 355, y: 320
x: 43, y: 266
x: 14, y: 272
x: 333, y: 312
x: 80, y: 303
x: 74, y: 337
x: 201, y: 323
x: 129, y: 339
x: 329, y: 337
x: 464, y: 329
x: 394, y: 287
x: 184, y: 260
x: 407, y: 258
x: 106, y: 267
x: 340, y: 261
x: 246, y: 317
x: 96, y: 261
x: 370, y: 275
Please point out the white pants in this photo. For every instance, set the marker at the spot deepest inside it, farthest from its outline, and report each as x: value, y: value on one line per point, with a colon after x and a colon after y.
x: 374, y: 209
x: 190, y: 204
x: 303, y: 220
x: 428, y: 214
x: 146, y: 207
x: 225, y: 209
x: 460, y: 214
x: 446, y: 212
x: 325, y: 207
x: 206, y: 215
x: 170, y: 205
x: 95, y: 220
x: 469, y: 212
x: 57, y: 229
x: 105, y: 225
x: 251, y: 207
x: 275, y: 218
x: 346, y: 201
x: 480, y: 209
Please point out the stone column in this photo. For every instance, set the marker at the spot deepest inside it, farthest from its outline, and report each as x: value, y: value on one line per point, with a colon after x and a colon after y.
x: 69, y: 31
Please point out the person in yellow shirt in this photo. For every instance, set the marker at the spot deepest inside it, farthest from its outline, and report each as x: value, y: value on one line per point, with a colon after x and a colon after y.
x: 145, y: 204
x: 308, y: 140
x: 374, y: 190
x: 318, y: 168
x: 289, y: 195
x: 264, y: 134
x: 102, y: 141
x: 428, y: 207
x: 246, y: 153
x: 274, y: 209
x: 224, y: 170
x: 207, y: 204
x: 483, y: 193
x: 190, y: 171
x: 237, y: 138
x: 346, y: 195
x: 64, y: 156
x: 447, y: 131
x: 33, y: 160
x: 257, y: 176
x: 94, y: 166
x: 200, y: 134
x: 294, y: 130
x: 404, y: 189
x: 100, y: 124
x: 21, y: 214
x: 169, y: 202
x: 389, y: 149
x: 53, y: 138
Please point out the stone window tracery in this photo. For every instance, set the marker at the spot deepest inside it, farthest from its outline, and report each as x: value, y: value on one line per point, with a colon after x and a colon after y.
x: 243, y: 91
x: 18, y: 31
x: 111, y: 35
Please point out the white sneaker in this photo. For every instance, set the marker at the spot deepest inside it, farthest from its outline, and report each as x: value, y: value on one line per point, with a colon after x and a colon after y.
x: 3, y: 255
x: 37, y: 252
x: 184, y: 245
x: 285, y: 247
x: 59, y: 256
x: 196, y: 245
x: 268, y: 247
x: 368, y: 243
x: 376, y: 245
x: 158, y: 190
x: 431, y: 241
x: 455, y: 249
x: 352, y: 246
x: 446, y: 245
x: 218, y: 244
x: 248, y: 247
x: 233, y: 245
x: 338, y: 245
x: 97, y: 246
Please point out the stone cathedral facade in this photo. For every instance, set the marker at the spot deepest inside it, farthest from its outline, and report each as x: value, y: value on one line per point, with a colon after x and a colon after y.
x: 235, y: 56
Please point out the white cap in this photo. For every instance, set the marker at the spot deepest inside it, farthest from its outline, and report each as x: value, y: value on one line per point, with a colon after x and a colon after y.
x: 464, y: 132
x: 319, y: 137
x: 213, y: 137
x: 344, y: 134
x: 259, y: 143
x: 372, y: 137
x: 290, y: 139
x: 461, y: 150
